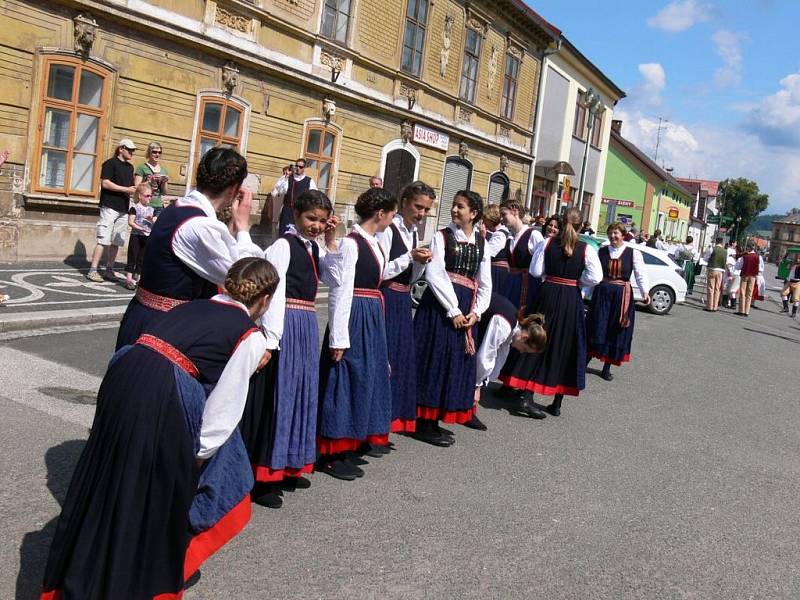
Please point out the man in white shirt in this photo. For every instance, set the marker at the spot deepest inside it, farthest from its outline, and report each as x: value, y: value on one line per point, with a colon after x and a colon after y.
x: 290, y: 189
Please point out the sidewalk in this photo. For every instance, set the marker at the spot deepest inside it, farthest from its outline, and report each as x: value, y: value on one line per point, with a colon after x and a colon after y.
x: 49, y: 294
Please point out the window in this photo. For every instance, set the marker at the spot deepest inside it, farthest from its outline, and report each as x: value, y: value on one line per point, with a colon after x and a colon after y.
x: 579, y: 126
x: 457, y: 176
x: 510, y: 86
x: 498, y: 188
x: 649, y: 259
x: 335, y: 19
x: 320, y: 153
x: 414, y: 37
x: 71, y: 127
x: 597, y: 130
x: 469, y: 72
x: 220, y: 124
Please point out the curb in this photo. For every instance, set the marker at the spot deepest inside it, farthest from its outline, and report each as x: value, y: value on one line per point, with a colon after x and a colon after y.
x: 57, y: 318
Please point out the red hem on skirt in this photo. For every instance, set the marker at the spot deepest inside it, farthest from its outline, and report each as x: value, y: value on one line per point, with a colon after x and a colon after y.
x: 538, y: 388
x: 459, y: 417
x: 177, y: 596
x: 268, y: 475
x: 329, y: 446
x: 404, y: 426
x: 206, y: 543
x: 612, y: 361
x: 51, y: 595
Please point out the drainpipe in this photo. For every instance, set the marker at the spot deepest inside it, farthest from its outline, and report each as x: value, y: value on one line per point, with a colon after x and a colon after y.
x: 537, y: 122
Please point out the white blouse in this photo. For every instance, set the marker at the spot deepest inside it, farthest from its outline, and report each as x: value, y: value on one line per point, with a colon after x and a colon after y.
x: 400, y: 264
x: 592, y: 270
x: 339, y: 273
x: 225, y: 405
x: 439, y: 281
x: 497, y: 240
x: 205, y: 245
x: 639, y: 273
x: 280, y: 254
x: 535, y: 238
x: 494, y: 349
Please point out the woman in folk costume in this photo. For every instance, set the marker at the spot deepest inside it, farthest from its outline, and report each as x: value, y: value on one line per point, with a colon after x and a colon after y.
x: 189, y: 250
x: 355, y: 403
x: 566, y: 264
x: 497, y: 236
x: 163, y: 481
x: 459, y: 289
x: 279, y: 425
x: 406, y: 262
x: 498, y: 331
x: 609, y: 324
x: 520, y: 285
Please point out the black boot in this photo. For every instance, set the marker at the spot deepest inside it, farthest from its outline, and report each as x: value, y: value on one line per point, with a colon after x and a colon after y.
x: 426, y: 432
x: 785, y: 305
x: 794, y: 308
x: 528, y: 407
x: 606, y: 374
x: 475, y: 423
x: 265, y: 494
x: 555, y: 408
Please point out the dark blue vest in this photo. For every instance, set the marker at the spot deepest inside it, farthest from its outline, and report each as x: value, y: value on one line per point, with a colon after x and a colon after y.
x: 207, y: 332
x: 462, y: 258
x: 620, y: 268
x: 399, y: 248
x: 520, y: 258
x: 557, y: 264
x: 368, y: 267
x: 302, y: 276
x: 502, y: 255
x: 295, y: 188
x: 165, y: 274
x: 498, y: 305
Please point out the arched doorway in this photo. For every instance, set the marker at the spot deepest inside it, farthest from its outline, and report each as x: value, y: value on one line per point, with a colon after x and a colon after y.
x: 400, y: 166
x: 499, y: 187
x: 457, y: 176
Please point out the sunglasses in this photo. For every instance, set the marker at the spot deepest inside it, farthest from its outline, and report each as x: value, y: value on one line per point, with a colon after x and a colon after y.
x: 300, y: 166
x: 155, y: 151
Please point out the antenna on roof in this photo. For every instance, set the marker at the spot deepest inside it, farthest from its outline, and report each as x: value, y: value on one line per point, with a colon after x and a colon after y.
x: 662, y: 124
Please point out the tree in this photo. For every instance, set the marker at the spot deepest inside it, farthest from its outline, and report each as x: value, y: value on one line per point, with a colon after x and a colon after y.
x: 741, y: 200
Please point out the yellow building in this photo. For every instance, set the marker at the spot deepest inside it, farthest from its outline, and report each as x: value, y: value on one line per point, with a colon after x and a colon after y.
x: 442, y: 90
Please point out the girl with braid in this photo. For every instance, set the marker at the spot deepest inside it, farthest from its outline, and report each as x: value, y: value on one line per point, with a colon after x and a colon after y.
x: 164, y: 481
x: 189, y: 250
x: 355, y: 404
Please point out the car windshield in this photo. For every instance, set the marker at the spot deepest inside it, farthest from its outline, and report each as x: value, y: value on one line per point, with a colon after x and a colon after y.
x: 649, y: 259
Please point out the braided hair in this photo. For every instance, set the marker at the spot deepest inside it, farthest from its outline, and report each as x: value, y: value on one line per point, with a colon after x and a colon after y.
x: 533, y: 325
x: 250, y: 279
x: 311, y: 200
x: 374, y: 200
x: 219, y: 169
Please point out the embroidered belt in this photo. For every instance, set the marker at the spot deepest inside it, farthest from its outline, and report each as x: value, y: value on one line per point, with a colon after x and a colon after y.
x: 625, y: 302
x: 463, y: 280
x: 299, y: 304
x: 156, y: 302
x: 562, y: 281
x: 503, y: 264
x: 397, y: 287
x: 367, y: 293
x: 523, y: 288
x: 170, y: 352
x: 469, y: 342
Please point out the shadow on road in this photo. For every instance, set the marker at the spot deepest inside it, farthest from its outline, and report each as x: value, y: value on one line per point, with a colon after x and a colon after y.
x: 60, y: 461
x: 775, y: 335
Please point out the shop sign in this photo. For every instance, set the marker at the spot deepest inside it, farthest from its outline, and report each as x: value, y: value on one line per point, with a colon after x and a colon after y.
x: 673, y: 214
x: 431, y: 137
x: 623, y: 203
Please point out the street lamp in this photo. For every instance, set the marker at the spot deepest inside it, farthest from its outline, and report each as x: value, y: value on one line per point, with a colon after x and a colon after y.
x: 592, y: 101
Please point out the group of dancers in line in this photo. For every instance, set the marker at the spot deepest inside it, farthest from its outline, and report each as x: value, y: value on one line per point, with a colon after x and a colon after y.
x: 218, y: 389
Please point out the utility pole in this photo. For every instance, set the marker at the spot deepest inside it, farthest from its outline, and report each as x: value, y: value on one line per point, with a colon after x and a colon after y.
x: 661, y: 122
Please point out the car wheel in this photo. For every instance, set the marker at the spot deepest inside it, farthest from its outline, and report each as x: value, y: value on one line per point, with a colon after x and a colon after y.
x: 662, y: 298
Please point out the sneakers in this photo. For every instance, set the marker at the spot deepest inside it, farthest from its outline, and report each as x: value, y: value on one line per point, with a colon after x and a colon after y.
x: 93, y: 275
x: 109, y: 275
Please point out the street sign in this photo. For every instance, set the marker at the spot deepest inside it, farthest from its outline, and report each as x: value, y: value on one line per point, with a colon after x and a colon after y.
x: 673, y: 214
x: 712, y: 219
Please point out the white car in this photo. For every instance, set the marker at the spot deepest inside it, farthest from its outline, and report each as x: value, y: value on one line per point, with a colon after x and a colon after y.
x: 667, y: 285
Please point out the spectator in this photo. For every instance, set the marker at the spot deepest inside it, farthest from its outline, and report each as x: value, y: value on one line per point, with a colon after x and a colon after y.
x: 749, y: 266
x: 632, y: 234
x: 291, y: 189
x: 278, y: 192
x: 587, y: 228
x: 655, y: 241
x: 116, y: 183
x: 140, y: 219
x: 375, y: 182
x: 685, y: 253
x: 715, y: 260
x: 152, y: 172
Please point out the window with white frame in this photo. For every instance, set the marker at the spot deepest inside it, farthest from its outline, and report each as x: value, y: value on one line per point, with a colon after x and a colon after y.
x: 320, y: 146
x: 510, y: 86
x: 469, y: 70
x: 335, y: 20
x: 414, y: 36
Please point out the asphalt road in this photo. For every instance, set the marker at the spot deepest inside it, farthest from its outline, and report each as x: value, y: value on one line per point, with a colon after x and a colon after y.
x: 680, y: 479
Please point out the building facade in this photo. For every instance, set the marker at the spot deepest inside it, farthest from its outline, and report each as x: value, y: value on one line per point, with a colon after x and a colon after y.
x: 635, y: 185
x: 704, y: 203
x: 785, y: 235
x: 442, y: 91
x: 565, y: 134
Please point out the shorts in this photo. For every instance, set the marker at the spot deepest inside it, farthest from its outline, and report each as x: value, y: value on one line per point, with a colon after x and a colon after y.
x: 111, y: 227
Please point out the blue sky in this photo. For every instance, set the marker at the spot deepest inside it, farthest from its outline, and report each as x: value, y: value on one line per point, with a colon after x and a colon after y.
x: 725, y: 73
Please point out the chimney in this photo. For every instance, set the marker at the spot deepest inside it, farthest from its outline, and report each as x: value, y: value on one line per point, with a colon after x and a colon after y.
x: 616, y: 125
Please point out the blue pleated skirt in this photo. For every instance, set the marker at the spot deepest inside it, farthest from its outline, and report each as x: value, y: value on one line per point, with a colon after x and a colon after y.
x: 520, y: 289
x: 499, y: 275
x: 606, y: 339
x: 402, y: 359
x: 445, y: 372
x: 296, y: 395
x: 136, y: 319
x: 355, y: 394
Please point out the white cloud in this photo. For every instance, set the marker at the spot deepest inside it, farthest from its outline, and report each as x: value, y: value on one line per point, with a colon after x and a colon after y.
x: 729, y: 48
x: 654, y: 80
x: 680, y: 15
x: 711, y: 152
x: 776, y: 118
